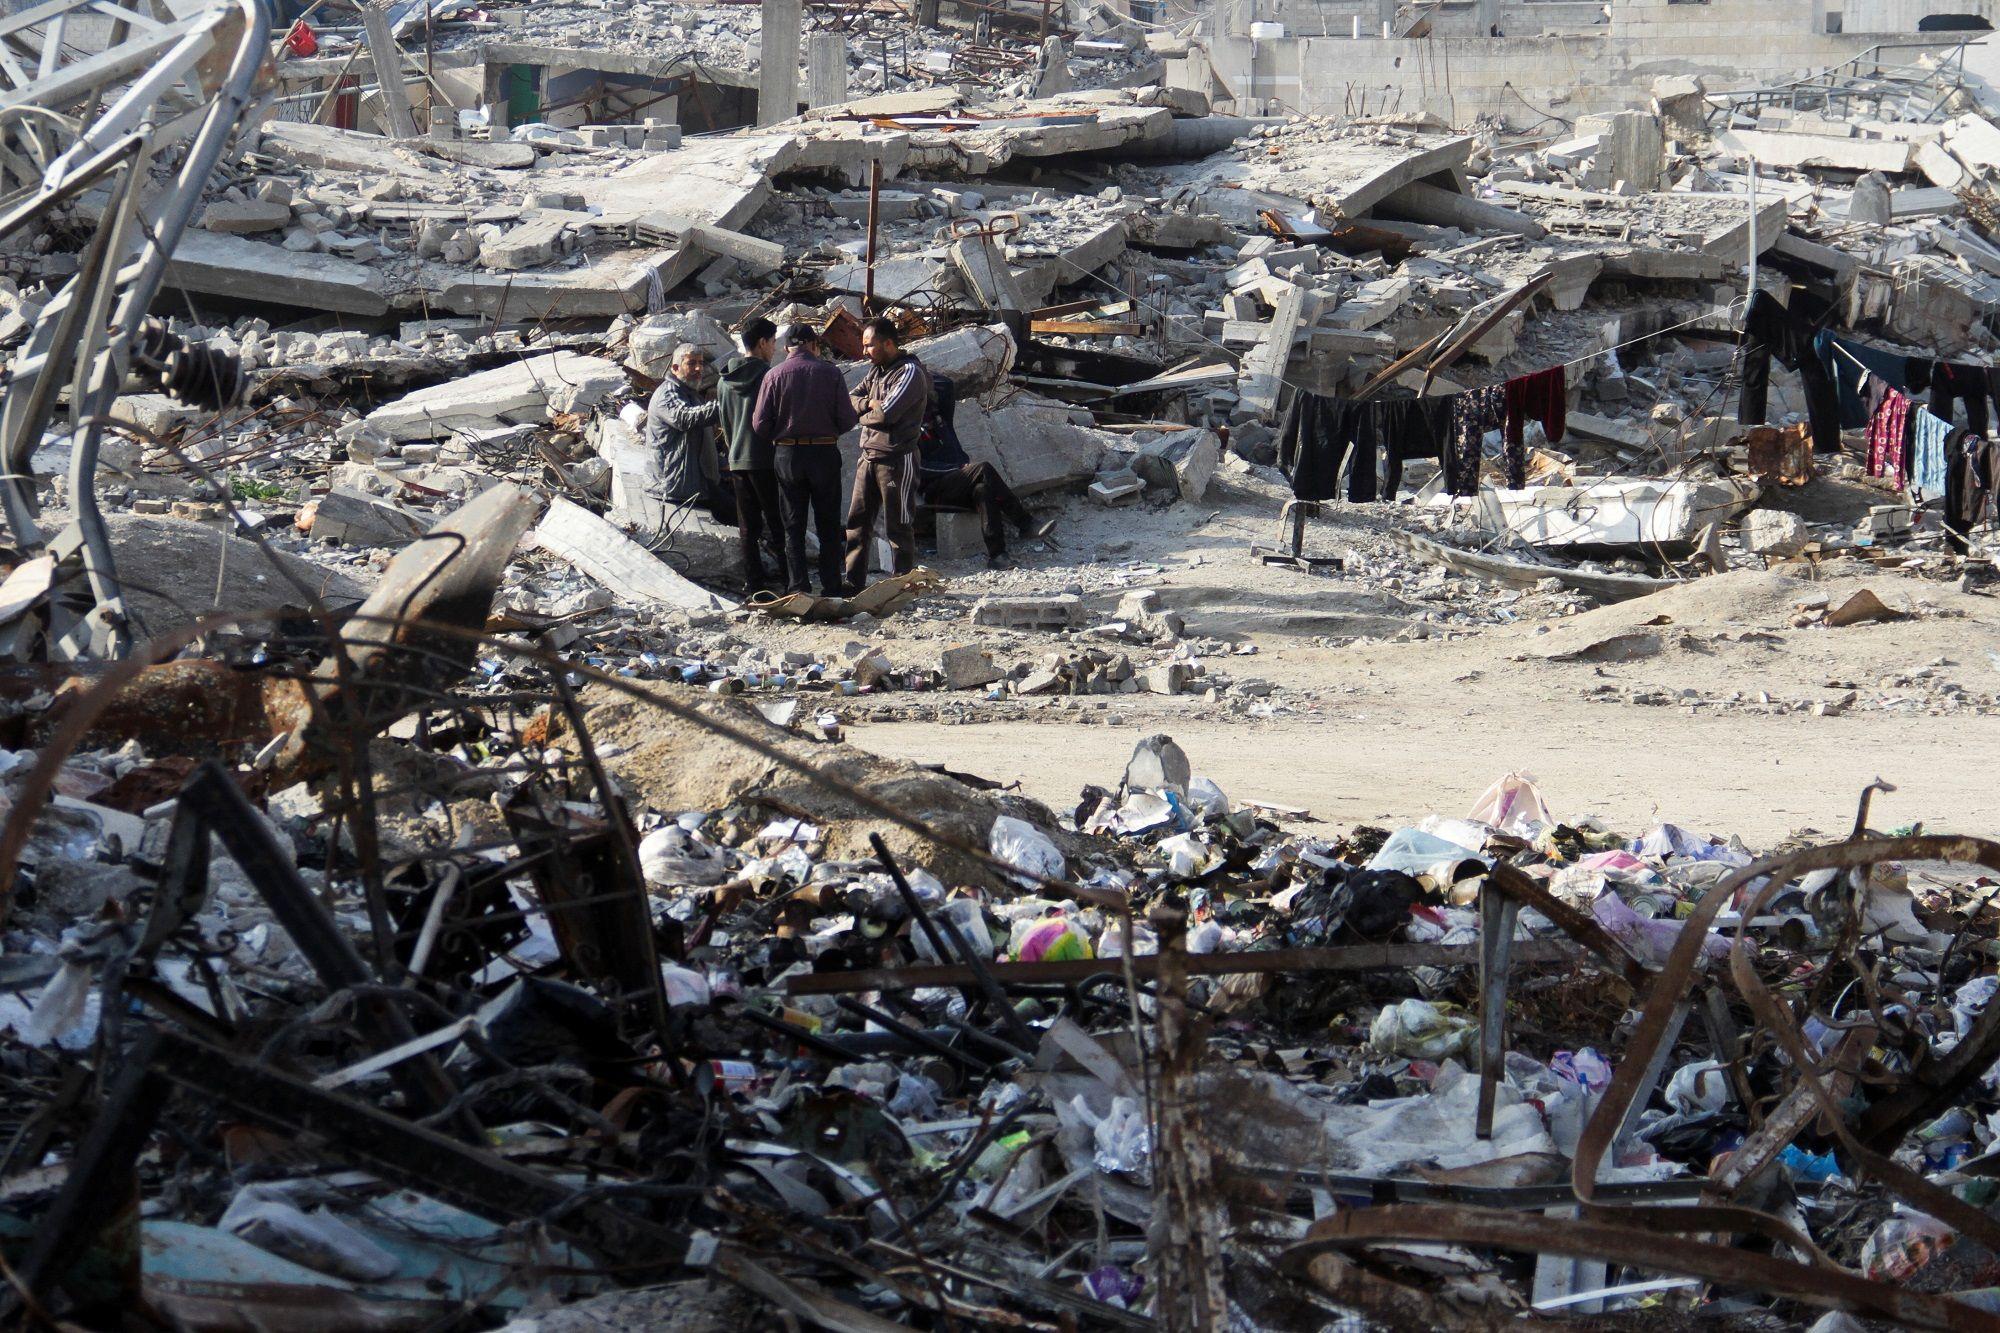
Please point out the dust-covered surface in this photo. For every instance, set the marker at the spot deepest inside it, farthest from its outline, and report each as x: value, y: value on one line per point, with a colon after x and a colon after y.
x: 1388, y: 738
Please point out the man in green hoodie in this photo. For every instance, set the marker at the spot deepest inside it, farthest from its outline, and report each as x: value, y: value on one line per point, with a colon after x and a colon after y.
x: 751, y: 460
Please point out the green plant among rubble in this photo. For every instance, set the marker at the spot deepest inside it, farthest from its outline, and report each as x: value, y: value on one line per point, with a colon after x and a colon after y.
x: 249, y: 488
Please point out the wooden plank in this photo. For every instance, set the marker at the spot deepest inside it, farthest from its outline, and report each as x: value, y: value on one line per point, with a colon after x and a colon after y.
x: 1352, y: 958
x: 1086, y: 328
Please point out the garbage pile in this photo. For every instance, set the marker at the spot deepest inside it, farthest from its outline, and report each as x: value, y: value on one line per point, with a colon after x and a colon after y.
x: 410, y: 975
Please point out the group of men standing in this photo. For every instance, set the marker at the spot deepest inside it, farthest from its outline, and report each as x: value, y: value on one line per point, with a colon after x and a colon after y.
x: 766, y: 444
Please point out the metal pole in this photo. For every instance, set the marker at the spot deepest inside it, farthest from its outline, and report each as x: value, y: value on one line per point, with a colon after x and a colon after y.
x: 1752, y: 290
x: 874, y: 203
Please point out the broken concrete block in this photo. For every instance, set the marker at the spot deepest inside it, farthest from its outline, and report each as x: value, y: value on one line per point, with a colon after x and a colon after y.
x: 1774, y: 532
x: 1117, y: 488
x: 353, y: 519
x: 649, y: 348
x: 630, y: 571
x: 530, y: 245
x: 1184, y: 460
x: 1060, y: 612
x: 968, y: 667
x: 959, y: 534
x: 890, y: 206
x: 1195, y: 465
x: 155, y: 413
x: 757, y: 256
x: 245, y: 218
x: 1870, y: 201
x: 1044, y: 681
x: 525, y: 392
x: 1166, y: 678
x: 1157, y: 764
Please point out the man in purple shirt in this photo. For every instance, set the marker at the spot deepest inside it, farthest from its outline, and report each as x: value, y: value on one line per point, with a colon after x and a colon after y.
x: 803, y: 408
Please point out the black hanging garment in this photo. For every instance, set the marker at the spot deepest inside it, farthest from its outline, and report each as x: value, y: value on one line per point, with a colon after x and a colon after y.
x: 1953, y: 384
x: 1769, y: 329
x: 1326, y: 438
x: 1970, y: 466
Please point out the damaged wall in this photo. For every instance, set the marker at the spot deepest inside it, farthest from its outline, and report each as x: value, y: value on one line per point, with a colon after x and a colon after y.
x: 1530, y: 80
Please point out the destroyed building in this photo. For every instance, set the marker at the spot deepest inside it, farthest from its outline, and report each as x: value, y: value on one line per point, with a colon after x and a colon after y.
x: 1399, y: 733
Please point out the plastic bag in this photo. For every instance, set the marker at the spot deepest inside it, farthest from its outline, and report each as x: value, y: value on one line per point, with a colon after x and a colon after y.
x: 1699, y: 1088
x: 1124, y: 1140
x: 1111, y: 944
x: 1026, y: 848
x: 965, y: 914
x: 1513, y: 805
x: 1185, y: 854
x: 268, y: 1219
x: 672, y: 856
x: 1586, y: 1068
x: 684, y: 985
x: 1052, y: 939
x: 1206, y: 799
x: 1902, y: 1245
x: 1420, y: 1030
x: 1414, y: 852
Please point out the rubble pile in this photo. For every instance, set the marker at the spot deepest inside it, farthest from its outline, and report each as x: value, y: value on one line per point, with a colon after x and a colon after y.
x: 447, y: 881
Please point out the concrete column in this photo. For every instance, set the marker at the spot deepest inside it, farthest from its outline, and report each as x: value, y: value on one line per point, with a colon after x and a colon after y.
x: 826, y: 69
x: 1054, y: 78
x: 1385, y: 13
x: 1489, y: 15
x: 778, y: 63
x: 388, y: 58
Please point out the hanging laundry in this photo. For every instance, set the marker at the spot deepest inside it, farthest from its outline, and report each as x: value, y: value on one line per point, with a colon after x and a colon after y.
x: 1324, y: 439
x: 1953, y: 384
x: 1970, y: 470
x: 1849, y: 364
x: 1544, y: 396
x: 1474, y: 413
x: 1927, y: 469
x: 1769, y: 329
x: 1888, y: 433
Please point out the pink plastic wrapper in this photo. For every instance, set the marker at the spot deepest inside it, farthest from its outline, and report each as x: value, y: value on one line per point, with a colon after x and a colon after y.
x: 1650, y: 941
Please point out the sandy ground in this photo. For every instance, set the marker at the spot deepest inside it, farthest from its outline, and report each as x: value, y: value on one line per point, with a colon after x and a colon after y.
x: 1760, y: 778
x: 1734, y: 717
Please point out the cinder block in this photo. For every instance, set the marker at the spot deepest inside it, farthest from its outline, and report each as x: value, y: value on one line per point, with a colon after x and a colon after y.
x: 1063, y: 612
x: 958, y: 535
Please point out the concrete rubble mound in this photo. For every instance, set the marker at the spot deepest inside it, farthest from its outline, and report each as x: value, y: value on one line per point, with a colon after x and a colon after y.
x: 999, y: 664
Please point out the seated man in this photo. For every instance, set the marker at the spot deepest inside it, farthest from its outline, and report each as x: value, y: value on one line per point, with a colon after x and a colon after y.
x: 947, y: 479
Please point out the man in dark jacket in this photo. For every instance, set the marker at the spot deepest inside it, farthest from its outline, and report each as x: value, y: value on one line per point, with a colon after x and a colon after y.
x: 802, y: 408
x: 680, y: 423
x: 751, y: 458
x: 948, y: 479
x: 893, y: 402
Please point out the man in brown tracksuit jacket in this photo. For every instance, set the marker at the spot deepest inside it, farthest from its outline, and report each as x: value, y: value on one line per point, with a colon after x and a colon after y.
x: 892, y: 402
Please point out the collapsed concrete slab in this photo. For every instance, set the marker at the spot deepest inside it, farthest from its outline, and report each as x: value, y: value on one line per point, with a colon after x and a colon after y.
x: 527, y: 391
x: 1037, y: 443
x: 208, y: 263
x: 609, y: 557
x: 662, y: 197
x: 1817, y: 150
x: 1345, y: 176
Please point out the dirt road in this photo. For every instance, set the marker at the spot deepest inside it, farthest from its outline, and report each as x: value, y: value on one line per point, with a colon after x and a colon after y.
x: 1758, y: 777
